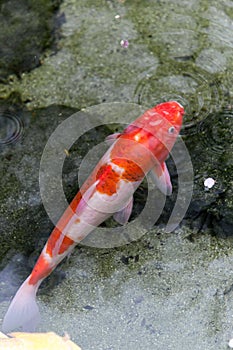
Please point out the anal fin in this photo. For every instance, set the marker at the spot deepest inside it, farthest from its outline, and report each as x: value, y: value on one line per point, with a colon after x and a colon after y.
x: 122, y: 216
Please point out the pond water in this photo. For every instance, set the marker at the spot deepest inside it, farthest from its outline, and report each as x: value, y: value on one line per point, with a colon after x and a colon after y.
x: 165, y: 290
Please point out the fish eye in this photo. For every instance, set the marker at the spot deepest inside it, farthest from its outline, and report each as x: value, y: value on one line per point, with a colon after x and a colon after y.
x: 171, y: 130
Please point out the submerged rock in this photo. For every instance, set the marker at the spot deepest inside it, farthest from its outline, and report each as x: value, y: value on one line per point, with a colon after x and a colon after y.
x: 27, y: 28
x: 23, y: 221
x: 211, y: 150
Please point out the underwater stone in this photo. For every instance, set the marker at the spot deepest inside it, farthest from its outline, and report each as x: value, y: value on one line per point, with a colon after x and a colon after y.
x: 27, y: 28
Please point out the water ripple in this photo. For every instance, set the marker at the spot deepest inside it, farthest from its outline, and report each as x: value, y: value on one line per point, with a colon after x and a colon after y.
x: 216, y: 131
x: 11, y: 127
x: 199, y: 91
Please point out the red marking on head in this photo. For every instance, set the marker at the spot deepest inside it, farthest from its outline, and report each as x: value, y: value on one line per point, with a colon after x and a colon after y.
x: 156, y: 130
x: 77, y: 221
x: 66, y: 243
x: 132, y: 172
x: 41, y: 270
x: 108, y: 180
x: 172, y: 111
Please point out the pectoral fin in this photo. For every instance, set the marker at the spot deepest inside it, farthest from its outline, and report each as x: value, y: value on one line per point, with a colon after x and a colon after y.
x: 161, y: 178
x: 112, y: 138
x: 122, y: 216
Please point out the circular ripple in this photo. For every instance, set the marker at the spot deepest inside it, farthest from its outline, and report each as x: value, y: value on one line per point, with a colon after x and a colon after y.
x: 196, y: 89
x: 11, y: 127
x: 216, y: 131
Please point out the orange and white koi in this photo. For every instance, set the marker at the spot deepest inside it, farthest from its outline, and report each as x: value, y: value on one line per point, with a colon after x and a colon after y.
x: 142, y: 147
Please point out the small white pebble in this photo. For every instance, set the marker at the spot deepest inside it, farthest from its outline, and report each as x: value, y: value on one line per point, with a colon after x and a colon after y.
x: 230, y: 344
x: 124, y: 43
x: 209, y: 183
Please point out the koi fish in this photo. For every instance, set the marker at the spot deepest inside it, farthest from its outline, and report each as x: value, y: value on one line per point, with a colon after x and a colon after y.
x: 142, y: 147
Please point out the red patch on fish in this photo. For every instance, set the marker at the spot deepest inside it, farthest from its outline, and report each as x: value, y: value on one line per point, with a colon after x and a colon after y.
x: 170, y: 108
x: 66, y: 243
x: 108, y: 180
x: 76, y: 201
x: 52, y: 241
x: 41, y: 270
x: 132, y: 172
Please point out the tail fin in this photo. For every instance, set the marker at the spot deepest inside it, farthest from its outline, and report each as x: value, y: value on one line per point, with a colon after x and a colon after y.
x: 23, y: 311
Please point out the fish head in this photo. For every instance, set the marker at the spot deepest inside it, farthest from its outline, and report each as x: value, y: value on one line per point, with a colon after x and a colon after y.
x: 171, y: 111
x: 158, y: 128
x: 149, y: 139
x: 164, y: 124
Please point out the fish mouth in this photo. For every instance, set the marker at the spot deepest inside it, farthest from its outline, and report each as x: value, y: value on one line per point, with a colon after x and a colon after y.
x: 173, y: 111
